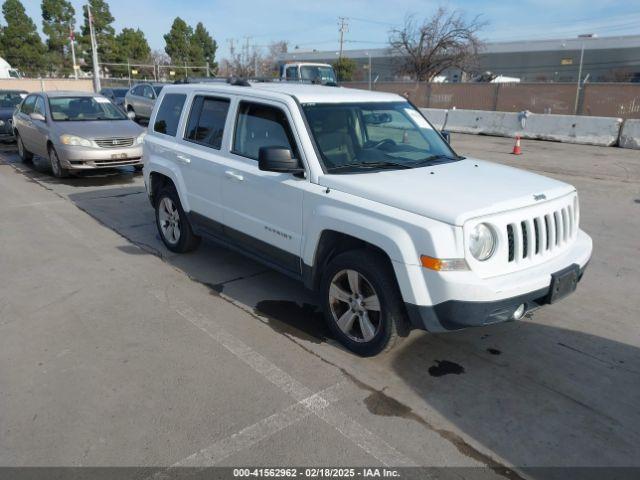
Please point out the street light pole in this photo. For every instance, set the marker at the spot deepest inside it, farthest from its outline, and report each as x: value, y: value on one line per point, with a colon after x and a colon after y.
x: 72, y: 39
x: 94, y: 56
x: 369, y: 55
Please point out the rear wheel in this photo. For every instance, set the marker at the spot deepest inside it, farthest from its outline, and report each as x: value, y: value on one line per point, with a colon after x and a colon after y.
x: 362, y: 304
x: 25, y: 155
x: 172, y: 222
x: 56, y: 166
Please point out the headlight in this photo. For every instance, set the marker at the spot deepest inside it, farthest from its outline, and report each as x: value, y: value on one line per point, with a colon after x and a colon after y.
x: 482, y: 242
x: 1, y: 123
x: 75, y: 141
x: 140, y: 139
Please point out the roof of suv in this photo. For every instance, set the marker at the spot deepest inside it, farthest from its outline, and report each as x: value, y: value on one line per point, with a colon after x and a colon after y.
x: 304, y: 93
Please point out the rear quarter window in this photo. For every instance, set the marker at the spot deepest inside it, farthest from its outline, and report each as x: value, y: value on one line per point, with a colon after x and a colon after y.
x: 168, y: 115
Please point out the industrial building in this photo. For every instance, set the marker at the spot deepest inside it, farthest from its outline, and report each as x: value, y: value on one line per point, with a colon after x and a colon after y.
x: 604, y: 59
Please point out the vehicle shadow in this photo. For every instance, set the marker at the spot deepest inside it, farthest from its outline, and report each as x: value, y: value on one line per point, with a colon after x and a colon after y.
x: 533, y: 392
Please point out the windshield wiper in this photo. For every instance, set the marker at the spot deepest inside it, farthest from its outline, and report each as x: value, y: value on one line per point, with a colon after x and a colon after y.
x: 370, y: 165
x: 431, y: 158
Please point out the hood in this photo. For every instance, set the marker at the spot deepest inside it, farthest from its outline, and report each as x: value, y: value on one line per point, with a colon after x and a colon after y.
x: 7, y: 112
x: 99, y: 128
x: 451, y: 192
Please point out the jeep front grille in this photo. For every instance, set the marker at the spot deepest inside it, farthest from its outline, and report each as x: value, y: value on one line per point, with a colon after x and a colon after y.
x: 540, y: 235
x: 114, y: 142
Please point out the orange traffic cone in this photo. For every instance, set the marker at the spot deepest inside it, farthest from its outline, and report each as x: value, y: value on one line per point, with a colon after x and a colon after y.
x: 516, y: 148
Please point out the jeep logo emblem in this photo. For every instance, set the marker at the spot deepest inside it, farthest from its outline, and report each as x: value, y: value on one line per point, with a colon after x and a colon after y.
x: 540, y: 196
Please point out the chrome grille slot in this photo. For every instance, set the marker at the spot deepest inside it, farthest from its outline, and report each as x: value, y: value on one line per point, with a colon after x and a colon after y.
x: 114, y: 142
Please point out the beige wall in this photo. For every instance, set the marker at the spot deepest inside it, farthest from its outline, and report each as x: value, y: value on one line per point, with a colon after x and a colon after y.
x: 46, y: 84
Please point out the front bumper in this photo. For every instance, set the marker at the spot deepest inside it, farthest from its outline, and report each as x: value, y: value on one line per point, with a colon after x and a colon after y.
x: 84, y: 158
x: 488, y: 301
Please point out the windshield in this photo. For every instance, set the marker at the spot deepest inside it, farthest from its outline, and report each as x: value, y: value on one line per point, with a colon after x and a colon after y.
x: 358, y: 136
x: 10, y: 99
x: 314, y: 72
x: 157, y: 89
x: 84, y: 109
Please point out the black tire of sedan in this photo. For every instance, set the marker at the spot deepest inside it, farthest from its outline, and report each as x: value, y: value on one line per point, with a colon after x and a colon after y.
x: 56, y: 166
x: 362, y: 303
x: 173, y: 225
x: 24, y: 154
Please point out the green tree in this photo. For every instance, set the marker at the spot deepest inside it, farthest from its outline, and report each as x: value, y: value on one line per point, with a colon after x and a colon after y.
x: 132, y: 45
x: 104, y: 31
x: 203, y: 47
x: 345, y: 68
x: 58, y: 21
x: 20, y: 43
x: 178, y: 42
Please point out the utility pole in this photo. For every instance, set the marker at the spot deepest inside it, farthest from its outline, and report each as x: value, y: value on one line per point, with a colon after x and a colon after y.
x: 344, y: 27
x: 369, y: 55
x: 575, y: 108
x: 72, y: 40
x: 94, y: 49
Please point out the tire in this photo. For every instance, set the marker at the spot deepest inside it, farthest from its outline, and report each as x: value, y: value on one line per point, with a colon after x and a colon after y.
x: 138, y: 168
x: 368, y: 327
x: 25, y: 155
x: 169, y: 215
x: 56, y: 166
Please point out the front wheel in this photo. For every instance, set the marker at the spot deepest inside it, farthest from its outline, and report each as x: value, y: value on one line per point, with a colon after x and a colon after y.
x: 172, y: 223
x: 56, y: 166
x: 362, y: 304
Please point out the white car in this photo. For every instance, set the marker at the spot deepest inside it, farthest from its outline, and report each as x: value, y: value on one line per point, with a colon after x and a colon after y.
x: 355, y: 194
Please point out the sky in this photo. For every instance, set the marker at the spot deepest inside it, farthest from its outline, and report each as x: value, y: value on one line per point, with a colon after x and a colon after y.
x: 314, y: 24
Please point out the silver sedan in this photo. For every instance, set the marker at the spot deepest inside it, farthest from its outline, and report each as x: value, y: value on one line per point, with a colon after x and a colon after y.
x: 76, y: 131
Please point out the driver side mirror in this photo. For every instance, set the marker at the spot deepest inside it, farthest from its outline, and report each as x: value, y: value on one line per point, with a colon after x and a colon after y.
x: 37, y: 116
x: 446, y: 135
x: 278, y: 159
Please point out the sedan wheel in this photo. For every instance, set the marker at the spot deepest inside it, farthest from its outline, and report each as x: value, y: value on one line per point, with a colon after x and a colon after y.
x: 25, y: 155
x: 169, y: 220
x: 355, y: 305
x: 56, y: 167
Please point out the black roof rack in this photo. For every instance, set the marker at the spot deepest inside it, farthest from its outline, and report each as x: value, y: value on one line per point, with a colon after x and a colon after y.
x: 246, y: 81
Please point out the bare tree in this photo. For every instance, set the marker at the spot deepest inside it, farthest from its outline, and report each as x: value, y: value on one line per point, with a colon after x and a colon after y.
x: 443, y: 41
x: 243, y: 62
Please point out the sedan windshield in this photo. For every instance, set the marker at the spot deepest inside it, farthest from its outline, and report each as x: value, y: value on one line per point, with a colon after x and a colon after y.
x: 10, y: 99
x: 83, y: 109
x: 388, y: 135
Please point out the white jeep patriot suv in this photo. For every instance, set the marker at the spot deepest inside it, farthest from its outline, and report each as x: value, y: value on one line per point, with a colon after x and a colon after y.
x: 356, y: 194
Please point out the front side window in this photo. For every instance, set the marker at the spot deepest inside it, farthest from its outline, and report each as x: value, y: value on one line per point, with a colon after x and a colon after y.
x: 137, y: 90
x: 206, y: 121
x: 260, y: 125
x: 84, y: 109
x: 385, y: 134
x: 147, y: 92
x: 39, y: 107
x: 28, y: 105
x: 168, y: 115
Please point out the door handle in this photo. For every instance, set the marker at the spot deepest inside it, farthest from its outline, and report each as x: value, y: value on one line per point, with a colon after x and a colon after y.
x: 234, y: 176
x: 183, y: 159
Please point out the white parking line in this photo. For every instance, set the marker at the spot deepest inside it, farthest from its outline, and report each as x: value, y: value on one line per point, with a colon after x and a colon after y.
x: 307, y: 400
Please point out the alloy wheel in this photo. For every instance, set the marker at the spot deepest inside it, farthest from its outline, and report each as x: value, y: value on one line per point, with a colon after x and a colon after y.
x: 169, y: 219
x: 355, y: 305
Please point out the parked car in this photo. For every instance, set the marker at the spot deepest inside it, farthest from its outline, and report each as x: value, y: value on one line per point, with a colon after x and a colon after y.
x: 9, y: 100
x: 322, y: 73
x: 116, y: 95
x: 76, y: 131
x: 139, y: 101
x: 355, y: 194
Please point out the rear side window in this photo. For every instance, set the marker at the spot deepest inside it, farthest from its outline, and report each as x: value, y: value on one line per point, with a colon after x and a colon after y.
x: 168, y: 115
x: 28, y: 105
x: 206, y: 122
x: 259, y: 126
